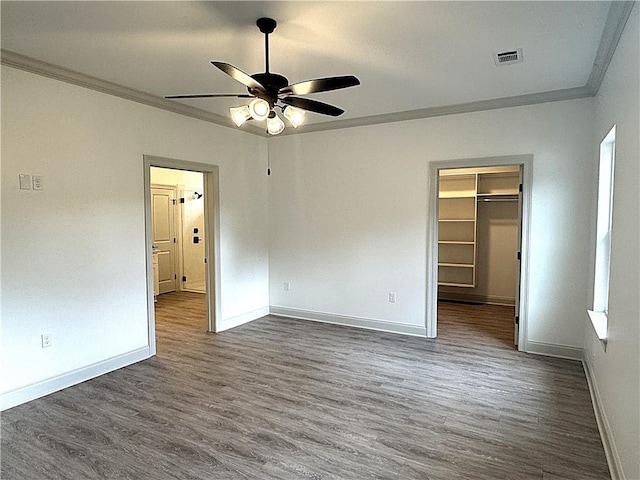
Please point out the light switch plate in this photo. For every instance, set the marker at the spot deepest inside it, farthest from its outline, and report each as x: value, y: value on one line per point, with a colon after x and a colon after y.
x: 25, y: 181
x: 37, y: 182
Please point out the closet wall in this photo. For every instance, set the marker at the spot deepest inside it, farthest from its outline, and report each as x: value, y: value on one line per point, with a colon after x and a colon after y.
x: 479, y: 235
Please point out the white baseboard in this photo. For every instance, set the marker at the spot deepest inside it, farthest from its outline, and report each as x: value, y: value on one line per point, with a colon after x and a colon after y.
x: 238, y: 320
x: 554, y: 350
x: 610, y: 450
x: 40, y: 389
x: 348, y: 321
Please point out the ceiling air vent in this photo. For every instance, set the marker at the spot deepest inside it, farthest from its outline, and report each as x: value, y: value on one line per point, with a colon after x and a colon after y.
x: 508, y: 58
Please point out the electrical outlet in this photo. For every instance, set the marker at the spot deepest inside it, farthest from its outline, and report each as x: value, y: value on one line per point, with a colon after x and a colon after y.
x: 392, y: 297
x: 46, y: 340
x: 287, y: 286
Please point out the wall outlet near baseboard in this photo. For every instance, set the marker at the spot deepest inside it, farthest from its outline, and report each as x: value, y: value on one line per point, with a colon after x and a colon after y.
x: 392, y: 297
x: 46, y: 340
x: 287, y: 286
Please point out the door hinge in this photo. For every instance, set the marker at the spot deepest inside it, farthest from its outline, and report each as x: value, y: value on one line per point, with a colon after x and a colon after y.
x: 205, y: 260
x: 175, y: 276
x: 517, y: 320
x: 181, y: 199
x: 520, y: 188
x: 184, y: 278
x: 519, y: 255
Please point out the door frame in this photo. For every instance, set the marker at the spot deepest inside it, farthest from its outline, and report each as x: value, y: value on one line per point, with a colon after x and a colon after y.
x: 526, y: 164
x: 211, y: 182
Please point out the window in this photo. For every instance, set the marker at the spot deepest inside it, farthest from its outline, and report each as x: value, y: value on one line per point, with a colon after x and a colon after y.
x: 600, y: 309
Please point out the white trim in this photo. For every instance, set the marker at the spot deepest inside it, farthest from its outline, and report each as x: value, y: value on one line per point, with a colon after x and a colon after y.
x: 45, y: 387
x: 349, y: 321
x: 228, y: 323
x: 554, y: 350
x: 610, y: 450
x: 617, y: 17
x: 599, y: 322
x: 430, y: 112
x: 45, y: 69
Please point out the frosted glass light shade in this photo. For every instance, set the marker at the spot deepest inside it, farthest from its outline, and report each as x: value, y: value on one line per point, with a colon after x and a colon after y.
x: 239, y: 115
x: 294, y: 115
x: 274, y: 125
x: 259, y: 109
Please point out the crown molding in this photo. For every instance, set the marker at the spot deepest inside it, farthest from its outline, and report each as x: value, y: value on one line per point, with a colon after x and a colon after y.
x: 617, y: 17
x: 619, y: 13
x: 495, y: 103
x: 45, y: 69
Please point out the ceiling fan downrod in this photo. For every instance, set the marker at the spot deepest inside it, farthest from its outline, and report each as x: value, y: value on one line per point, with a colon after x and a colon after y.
x: 266, y: 26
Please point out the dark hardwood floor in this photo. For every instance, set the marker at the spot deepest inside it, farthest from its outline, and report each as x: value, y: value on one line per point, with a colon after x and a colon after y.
x: 288, y: 399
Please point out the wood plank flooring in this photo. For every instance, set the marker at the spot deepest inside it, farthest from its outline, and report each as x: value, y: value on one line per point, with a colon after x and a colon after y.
x: 288, y: 399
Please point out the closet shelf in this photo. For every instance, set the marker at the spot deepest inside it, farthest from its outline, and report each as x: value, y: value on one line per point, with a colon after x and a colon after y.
x: 457, y: 265
x: 498, y: 197
x: 469, y: 194
x: 455, y: 242
x: 513, y: 193
x: 456, y: 220
x: 449, y: 284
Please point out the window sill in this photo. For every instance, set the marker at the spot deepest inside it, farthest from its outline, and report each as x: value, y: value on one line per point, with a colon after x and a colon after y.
x: 599, y: 322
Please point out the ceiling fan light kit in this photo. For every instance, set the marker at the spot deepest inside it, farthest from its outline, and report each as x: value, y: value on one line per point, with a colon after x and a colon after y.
x: 259, y: 109
x: 239, y: 115
x: 275, y: 125
x: 270, y: 91
x: 294, y: 115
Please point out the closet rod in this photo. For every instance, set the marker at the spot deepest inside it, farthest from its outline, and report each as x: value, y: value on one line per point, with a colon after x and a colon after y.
x: 499, y: 199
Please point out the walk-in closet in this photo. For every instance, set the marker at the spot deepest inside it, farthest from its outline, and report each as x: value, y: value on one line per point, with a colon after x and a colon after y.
x: 479, y: 225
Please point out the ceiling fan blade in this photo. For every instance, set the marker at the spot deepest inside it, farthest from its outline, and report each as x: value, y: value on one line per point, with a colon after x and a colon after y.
x: 313, y: 106
x: 238, y: 75
x: 320, y: 85
x: 208, y: 95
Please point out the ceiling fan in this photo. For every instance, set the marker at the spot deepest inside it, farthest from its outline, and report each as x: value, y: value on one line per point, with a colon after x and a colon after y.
x: 271, y: 90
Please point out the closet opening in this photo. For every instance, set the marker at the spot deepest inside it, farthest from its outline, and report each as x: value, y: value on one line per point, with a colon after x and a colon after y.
x: 477, y: 251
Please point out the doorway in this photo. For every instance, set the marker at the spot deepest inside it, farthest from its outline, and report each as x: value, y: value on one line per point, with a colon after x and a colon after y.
x: 182, y: 219
x: 177, y: 216
x: 478, y: 247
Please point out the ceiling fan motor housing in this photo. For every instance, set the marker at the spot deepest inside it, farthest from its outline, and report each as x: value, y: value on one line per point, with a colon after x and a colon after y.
x: 272, y: 82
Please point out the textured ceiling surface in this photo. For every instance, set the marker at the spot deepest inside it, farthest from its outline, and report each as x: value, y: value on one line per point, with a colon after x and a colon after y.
x: 408, y: 55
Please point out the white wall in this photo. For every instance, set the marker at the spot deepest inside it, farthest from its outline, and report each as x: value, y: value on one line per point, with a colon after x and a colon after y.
x: 73, y: 254
x: 615, y: 373
x: 168, y: 176
x: 348, y: 213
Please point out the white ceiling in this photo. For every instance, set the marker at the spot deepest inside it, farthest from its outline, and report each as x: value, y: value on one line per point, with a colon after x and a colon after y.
x: 408, y: 55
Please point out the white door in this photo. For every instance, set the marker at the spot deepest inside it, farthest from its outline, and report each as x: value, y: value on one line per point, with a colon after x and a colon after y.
x: 193, y: 251
x: 163, y: 201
